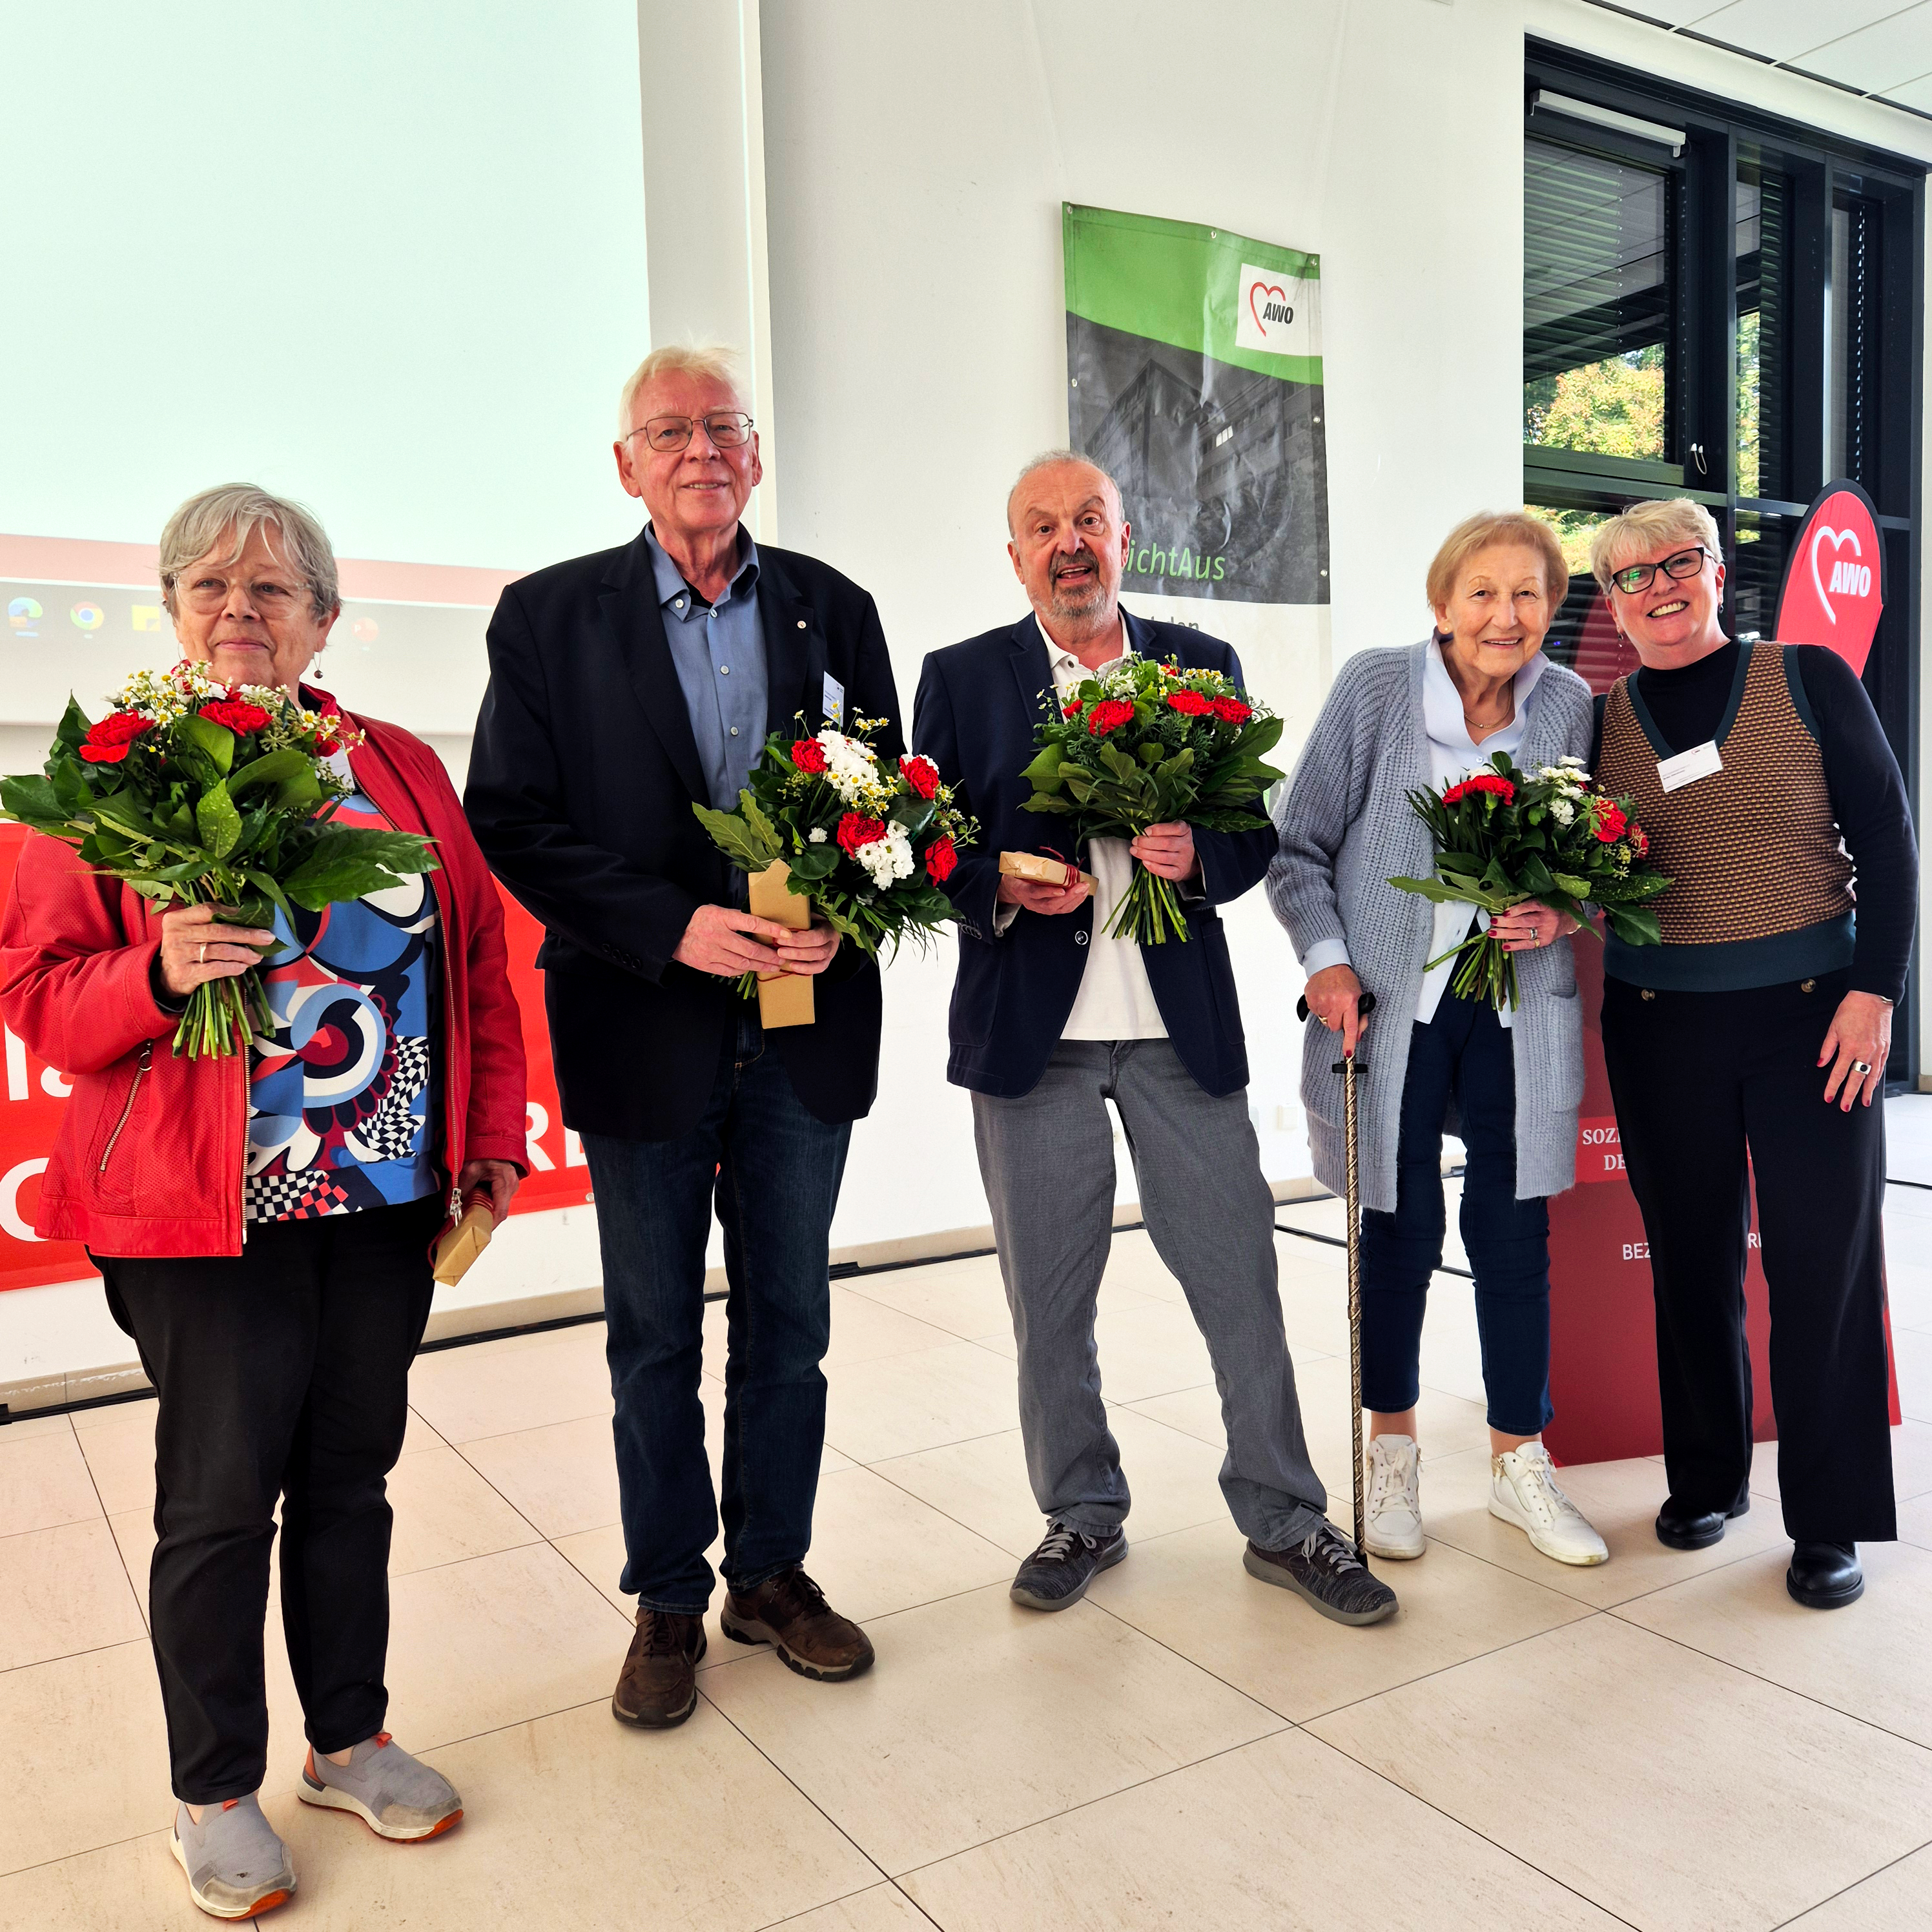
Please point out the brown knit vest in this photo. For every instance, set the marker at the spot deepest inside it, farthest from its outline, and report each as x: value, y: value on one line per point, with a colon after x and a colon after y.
x: 1753, y: 850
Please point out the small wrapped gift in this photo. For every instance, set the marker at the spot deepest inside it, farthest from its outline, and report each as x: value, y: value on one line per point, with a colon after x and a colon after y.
x: 464, y: 1243
x: 784, y: 999
x: 1046, y: 871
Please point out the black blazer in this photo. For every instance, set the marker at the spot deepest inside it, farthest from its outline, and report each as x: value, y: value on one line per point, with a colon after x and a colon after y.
x: 974, y: 717
x: 582, y: 779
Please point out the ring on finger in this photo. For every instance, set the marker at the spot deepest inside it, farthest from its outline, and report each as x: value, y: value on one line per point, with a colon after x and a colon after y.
x: 201, y: 957
x: 1861, y: 1067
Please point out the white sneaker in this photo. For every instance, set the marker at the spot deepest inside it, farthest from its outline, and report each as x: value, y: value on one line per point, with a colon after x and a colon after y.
x: 1393, y: 1509
x: 1523, y: 1491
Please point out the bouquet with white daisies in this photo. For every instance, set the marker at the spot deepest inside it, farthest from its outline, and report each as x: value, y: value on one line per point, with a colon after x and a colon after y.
x: 866, y: 844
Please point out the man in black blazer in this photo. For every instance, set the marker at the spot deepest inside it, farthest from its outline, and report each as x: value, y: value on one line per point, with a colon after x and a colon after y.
x: 1052, y: 1018
x: 625, y: 687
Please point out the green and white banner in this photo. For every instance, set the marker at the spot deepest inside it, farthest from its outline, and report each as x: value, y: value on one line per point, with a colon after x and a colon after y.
x: 1194, y: 372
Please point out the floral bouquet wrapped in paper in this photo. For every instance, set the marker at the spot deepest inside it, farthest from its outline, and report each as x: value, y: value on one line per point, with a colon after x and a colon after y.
x: 1503, y: 836
x: 824, y: 824
x: 1151, y: 744
x: 194, y: 791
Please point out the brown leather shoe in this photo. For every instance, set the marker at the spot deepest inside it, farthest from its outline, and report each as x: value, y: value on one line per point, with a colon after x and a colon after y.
x: 789, y: 1612
x: 658, y: 1686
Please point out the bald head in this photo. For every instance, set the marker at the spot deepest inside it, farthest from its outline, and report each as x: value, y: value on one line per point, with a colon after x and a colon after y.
x: 1091, y: 477
x: 1069, y: 541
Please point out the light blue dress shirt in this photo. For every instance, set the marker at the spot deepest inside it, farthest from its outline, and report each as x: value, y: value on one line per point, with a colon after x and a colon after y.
x: 719, y: 651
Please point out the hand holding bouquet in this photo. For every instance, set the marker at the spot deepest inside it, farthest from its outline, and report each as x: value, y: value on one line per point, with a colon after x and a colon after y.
x: 1151, y: 744
x: 1503, y: 837
x: 194, y: 791
x: 867, y: 845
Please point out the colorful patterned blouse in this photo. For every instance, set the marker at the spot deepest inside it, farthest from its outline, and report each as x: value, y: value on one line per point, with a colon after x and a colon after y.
x: 342, y: 1104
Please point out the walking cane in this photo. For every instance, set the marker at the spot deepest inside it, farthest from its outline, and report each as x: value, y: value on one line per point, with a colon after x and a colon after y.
x: 1347, y: 1067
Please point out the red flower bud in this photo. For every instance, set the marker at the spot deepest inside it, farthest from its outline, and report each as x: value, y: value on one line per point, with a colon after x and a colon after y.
x: 940, y: 859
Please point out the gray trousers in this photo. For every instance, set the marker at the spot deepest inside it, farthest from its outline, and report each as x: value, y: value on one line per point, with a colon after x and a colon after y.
x: 1047, y: 1159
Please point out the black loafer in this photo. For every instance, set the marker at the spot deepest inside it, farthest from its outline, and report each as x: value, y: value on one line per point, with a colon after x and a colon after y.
x: 1684, y: 1528
x: 1825, y: 1576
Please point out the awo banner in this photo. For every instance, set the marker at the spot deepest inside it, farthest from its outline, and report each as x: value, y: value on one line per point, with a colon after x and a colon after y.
x: 1834, y: 592
x: 1194, y: 376
x: 37, y: 1093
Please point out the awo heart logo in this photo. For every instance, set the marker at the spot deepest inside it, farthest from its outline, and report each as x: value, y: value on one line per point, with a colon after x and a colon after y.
x: 1850, y: 576
x: 1273, y: 312
x: 1260, y: 308
x: 1834, y: 589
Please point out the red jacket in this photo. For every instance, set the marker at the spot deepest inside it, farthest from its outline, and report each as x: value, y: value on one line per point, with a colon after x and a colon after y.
x: 150, y: 1154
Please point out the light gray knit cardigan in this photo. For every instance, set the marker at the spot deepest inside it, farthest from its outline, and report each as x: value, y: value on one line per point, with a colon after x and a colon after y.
x: 1346, y: 828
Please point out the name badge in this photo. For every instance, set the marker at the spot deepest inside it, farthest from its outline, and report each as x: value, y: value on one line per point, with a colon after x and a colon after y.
x: 835, y: 699
x: 1699, y: 762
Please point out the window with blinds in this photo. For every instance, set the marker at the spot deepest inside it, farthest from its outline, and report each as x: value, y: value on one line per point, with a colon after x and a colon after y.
x: 1600, y: 302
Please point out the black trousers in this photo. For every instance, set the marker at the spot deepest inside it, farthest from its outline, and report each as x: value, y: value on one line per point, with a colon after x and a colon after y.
x: 283, y: 1374
x: 1699, y: 1080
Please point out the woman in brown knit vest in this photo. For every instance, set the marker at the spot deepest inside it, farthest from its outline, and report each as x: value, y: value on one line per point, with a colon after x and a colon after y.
x: 1754, y: 1039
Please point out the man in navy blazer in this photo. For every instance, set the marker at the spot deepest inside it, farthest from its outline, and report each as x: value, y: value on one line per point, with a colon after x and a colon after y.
x: 1052, y: 1018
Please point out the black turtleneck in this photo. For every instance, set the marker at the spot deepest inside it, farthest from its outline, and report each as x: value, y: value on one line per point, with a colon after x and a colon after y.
x: 1867, y: 794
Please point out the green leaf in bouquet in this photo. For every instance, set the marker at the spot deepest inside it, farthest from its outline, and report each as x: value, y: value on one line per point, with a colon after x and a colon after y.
x: 271, y: 890
x: 760, y: 827
x: 1046, y: 802
x: 74, y: 728
x: 346, y: 862
x: 71, y: 791
x: 273, y: 768
x: 1534, y: 877
x: 1118, y: 762
x: 123, y: 811
x: 1045, y: 771
x: 215, y: 817
x: 1081, y: 785
x: 1438, y: 892
x: 736, y: 839
x: 1261, y: 737
x: 214, y: 742
x: 1221, y: 821
x: 1151, y: 751
x: 915, y: 813
x: 30, y: 799
x: 1635, y: 925
x: 1568, y: 882
x: 815, y: 862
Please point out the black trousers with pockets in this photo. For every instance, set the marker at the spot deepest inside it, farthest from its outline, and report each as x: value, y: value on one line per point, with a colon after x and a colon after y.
x: 1701, y: 1081
x: 283, y: 1374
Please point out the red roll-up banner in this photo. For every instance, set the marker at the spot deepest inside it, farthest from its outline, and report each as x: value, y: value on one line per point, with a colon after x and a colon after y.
x: 1833, y: 591
x: 36, y: 1093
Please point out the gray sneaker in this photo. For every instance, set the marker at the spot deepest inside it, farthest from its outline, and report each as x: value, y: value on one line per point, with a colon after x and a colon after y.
x: 236, y: 1866
x: 1057, y: 1572
x: 1324, y: 1568
x: 395, y: 1794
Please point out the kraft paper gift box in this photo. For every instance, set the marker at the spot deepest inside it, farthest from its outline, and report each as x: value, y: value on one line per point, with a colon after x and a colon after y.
x: 464, y: 1243
x: 1045, y: 871
x: 784, y: 999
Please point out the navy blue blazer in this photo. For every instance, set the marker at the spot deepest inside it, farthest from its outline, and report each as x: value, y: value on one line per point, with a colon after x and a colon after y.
x: 978, y: 703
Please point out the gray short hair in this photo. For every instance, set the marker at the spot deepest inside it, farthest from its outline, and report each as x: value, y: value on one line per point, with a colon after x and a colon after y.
x: 711, y: 360
x: 1643, y: 526
x: 1051, y: 459
x: 235, y: 511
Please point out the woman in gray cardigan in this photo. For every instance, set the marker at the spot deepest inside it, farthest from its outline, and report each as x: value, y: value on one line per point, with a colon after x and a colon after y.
x: 1510, y: 1083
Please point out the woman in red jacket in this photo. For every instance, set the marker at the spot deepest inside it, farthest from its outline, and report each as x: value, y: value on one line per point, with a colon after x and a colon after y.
x: 265, y: 1222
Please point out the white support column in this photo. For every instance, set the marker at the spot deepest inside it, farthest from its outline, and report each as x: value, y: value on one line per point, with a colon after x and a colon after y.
x: 704, y: 198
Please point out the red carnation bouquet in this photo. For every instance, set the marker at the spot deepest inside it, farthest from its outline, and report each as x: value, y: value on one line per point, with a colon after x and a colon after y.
x: 1152, y: 744
x: 195, y: 792
x: 867, y: 844
x: 1503, y: 837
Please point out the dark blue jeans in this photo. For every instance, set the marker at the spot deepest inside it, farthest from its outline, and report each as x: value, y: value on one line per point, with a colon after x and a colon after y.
x: 1464, y: 1053
x: 774, y: 1170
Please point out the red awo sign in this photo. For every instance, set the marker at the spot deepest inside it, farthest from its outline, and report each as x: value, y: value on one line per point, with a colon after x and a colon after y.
x: 1834, y: 581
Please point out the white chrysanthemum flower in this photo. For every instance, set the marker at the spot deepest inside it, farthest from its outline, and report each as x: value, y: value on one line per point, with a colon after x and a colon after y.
x: 1562, y: 811
x: 851, y: 768
x: 888, y: 859
x: 816, y: 836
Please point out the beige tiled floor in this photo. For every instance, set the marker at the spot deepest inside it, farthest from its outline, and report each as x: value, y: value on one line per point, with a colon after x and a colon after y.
x: 1663, y: 1741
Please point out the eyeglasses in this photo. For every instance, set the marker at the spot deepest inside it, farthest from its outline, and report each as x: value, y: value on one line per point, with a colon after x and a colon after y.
x: 728, y: 429
x: 210, y: 593
x: 1641, y: 576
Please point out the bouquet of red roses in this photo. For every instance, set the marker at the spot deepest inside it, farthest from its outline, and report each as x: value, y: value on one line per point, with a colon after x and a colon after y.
x: 868, y: 845
x: 195, y: 791
x: 1503, y: 837
x: 1151, y: 744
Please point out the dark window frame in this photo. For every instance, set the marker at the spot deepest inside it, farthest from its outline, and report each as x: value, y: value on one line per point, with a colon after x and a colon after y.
x: 1887, y: 192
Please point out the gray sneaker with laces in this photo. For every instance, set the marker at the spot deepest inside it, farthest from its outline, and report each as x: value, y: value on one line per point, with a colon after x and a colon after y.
x: 1323, y: 1567
x: 236, y: 1866
x: 1057, y: 1572
x: 395, y: 1794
